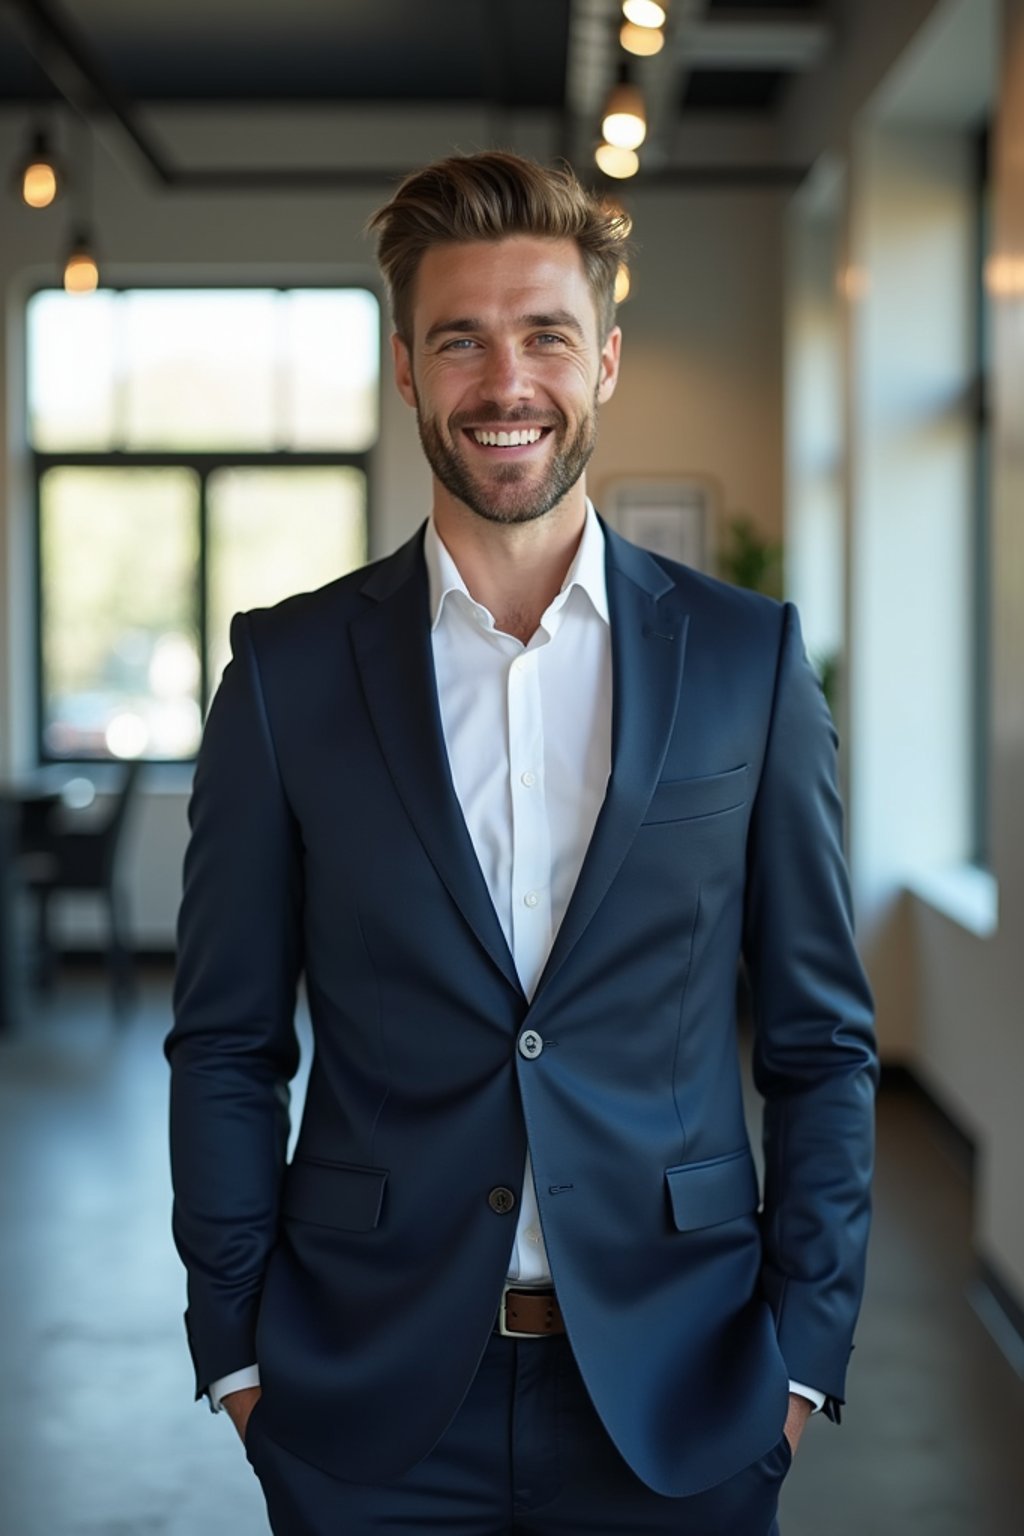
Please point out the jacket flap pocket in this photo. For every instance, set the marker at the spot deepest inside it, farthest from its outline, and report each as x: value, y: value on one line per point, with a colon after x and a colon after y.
x: 704, y: 1194
x: 337, y: 1195
x: 681, y: 799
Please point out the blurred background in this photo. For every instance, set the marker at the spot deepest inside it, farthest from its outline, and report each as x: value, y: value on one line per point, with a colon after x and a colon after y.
x: 822, y: 395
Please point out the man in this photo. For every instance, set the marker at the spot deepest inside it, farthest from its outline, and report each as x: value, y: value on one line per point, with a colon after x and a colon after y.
x: 516, y: 799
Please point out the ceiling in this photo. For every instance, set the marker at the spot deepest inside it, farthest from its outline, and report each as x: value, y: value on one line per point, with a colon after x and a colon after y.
x: 722, y: 58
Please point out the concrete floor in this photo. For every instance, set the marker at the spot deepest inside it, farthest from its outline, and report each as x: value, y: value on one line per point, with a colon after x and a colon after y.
x: 98, y: 1432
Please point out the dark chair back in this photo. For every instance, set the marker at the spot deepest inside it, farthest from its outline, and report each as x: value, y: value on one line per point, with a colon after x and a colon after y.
x: 82, y: 856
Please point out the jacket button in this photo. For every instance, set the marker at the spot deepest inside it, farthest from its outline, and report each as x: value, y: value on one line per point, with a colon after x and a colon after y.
x: 501, y: 1200
x: 530, y: 1044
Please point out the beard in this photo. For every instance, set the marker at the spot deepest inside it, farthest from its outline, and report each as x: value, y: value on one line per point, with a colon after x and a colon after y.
x: 512, y: 492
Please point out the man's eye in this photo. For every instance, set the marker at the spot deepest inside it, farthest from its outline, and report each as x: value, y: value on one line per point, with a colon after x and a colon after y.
x: 549, y: 337
x: 459, y: 344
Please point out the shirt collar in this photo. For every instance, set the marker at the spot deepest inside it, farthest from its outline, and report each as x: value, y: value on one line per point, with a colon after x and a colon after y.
x: 587, y: 571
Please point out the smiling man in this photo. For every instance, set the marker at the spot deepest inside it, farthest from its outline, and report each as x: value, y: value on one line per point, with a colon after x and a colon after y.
x: 516, y: 800
x: 512, y: 387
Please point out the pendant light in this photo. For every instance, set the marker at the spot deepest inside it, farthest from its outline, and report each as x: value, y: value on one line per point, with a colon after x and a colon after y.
x: 624, y: 120
x: 37, y: 178
x: 644, y: 13
x: 81, y: 269
x: 644, y: 42
x: 616, y: 161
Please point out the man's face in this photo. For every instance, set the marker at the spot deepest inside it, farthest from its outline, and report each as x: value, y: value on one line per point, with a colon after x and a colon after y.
x: 505, y: 341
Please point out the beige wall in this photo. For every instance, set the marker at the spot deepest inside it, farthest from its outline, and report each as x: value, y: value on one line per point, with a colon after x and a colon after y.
x: 700, y: 389
x: 701, y: 383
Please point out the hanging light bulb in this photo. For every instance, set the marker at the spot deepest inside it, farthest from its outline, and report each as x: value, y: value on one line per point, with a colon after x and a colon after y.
x: 38, y: 181
x: 645, y: 42
x: 624, y: 122
x: 622, y: 283
x: 644, y: 13
x: 81, y: 273
x: 616, y: 161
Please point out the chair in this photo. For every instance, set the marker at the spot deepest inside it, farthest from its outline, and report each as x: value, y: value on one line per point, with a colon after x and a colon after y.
x: 55, y: 855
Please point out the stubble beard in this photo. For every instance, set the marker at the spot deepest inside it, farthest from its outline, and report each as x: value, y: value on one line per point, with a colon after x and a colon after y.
x: 569, y: 460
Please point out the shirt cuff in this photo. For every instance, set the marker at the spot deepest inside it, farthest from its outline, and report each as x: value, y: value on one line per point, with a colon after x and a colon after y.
x: 813, y: 1396
x: 248, y: 1376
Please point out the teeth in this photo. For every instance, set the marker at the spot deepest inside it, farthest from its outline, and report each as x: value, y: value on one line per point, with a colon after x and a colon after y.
x: 508, y: 439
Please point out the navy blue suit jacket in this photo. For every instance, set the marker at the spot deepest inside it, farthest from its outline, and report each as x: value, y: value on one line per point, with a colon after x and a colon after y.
x: 327, y: 839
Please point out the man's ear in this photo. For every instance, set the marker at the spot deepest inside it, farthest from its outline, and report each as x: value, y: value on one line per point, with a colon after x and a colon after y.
x: 403, y: 370
x: 609, y: 375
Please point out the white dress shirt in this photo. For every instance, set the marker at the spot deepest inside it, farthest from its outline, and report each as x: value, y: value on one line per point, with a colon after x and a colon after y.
x: 527, y: 730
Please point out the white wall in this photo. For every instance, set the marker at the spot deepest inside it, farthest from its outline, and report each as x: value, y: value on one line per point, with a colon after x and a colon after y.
x: 700, y: 390
x: 970, y: 1039
x: 912, y: 511
x: 899, y: 105
x: 815, y: 440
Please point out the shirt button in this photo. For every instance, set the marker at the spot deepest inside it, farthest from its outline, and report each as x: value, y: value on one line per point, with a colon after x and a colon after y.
x: 528, y: 778
x: 532, y: 1235
x: 531, y: 899
x: 530, y: 1044
x: 501, y: 1200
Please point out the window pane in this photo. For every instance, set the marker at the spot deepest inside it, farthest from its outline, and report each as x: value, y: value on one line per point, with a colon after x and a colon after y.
x: 119, y: 550
x: 273, y: 532
x: 200, y: 369
x: 71, y: 371
x: 204, y: 369
x: 332, y: 352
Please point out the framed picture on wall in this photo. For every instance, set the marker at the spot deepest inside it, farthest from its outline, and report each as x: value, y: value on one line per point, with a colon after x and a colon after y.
x: 669, y: 517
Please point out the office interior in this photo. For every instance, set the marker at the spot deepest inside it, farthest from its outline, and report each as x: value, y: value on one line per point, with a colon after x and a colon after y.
x: 824, y: 350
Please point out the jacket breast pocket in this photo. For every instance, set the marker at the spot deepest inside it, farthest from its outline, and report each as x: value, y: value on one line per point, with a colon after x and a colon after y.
x: 706, y: 1194
x: 339, y: 1195
x: 690, y: 799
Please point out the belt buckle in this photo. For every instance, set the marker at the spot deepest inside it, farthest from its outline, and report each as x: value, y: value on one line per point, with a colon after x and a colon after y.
x: 503, y: 1328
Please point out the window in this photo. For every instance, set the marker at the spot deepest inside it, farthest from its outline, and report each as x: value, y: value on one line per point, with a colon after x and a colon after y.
x: 197, y: 451
x: 982, y: 596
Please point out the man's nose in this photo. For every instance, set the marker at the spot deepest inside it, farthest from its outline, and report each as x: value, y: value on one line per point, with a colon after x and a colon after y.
x: 506, y: 376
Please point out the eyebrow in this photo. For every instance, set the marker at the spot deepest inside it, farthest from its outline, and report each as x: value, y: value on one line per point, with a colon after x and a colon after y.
x: 556, y: 319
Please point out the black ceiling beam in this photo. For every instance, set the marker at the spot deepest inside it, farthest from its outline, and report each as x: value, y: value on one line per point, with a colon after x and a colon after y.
x: 66, y: 58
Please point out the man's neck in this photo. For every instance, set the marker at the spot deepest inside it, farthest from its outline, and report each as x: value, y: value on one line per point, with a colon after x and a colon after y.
x: 515, y: 570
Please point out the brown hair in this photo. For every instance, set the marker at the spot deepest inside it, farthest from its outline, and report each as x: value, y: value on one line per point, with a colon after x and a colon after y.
x: 491, y: 196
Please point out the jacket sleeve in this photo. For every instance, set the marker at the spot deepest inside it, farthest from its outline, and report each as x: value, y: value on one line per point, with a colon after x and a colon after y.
x: 814, y: 1056
x: 233, y: 1048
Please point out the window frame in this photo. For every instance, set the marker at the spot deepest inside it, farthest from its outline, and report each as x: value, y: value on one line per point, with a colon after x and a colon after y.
x: 203, y: 463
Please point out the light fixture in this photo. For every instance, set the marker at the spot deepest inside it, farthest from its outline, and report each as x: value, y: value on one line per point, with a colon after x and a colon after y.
x: 81, y: 272
x: 622, y: 283
x: 645, y: 42
x: 37, y: 178
x: 1004, y: 276
x: 624, y: 120
x: 853, y: 282
x: 644, y: 13
x: 617, y: 161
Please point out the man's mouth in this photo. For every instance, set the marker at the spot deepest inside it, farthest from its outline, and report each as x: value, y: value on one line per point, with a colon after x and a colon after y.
x: 506, y: 440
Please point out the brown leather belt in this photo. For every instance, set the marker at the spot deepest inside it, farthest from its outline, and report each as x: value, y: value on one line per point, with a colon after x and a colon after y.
x: 529, y: 1314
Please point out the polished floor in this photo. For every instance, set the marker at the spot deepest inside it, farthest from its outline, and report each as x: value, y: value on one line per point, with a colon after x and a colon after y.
x: 98, y: 1432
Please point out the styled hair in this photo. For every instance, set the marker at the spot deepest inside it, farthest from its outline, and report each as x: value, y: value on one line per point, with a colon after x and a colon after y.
x: 491, y: 196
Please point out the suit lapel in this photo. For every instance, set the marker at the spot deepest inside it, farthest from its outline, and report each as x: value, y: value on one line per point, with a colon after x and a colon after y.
x: 648, y: 646
x: 395, y: 661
